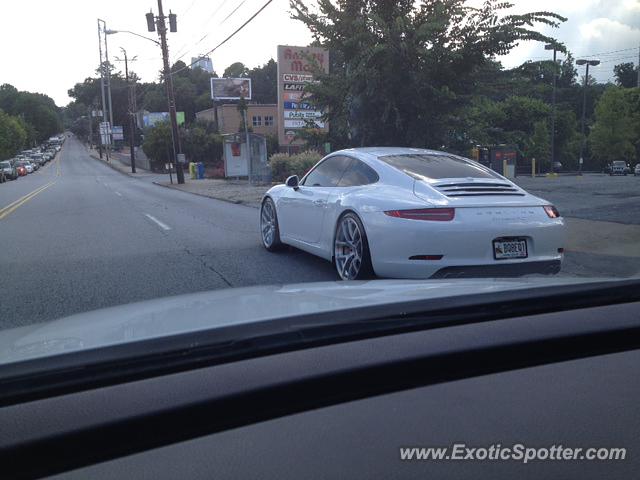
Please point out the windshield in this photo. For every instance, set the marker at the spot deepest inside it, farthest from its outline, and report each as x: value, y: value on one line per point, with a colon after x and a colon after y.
x: 281, y: 157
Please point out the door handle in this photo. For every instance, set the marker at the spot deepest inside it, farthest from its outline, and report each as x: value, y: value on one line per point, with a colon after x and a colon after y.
x: 319, y: 203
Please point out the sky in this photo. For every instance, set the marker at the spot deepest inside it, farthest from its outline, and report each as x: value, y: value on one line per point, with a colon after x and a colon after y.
x: 48, y: 46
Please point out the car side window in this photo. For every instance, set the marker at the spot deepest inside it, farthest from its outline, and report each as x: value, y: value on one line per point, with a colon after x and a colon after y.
x: 358, y: 173
x: 328, y: 173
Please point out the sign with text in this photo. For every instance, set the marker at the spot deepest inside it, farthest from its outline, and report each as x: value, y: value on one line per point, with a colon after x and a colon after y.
x: 308, y: 123
x: 297, y: 67
x: 302, y: 114
x: 296, y: 78
x: 297, y: 106
x: 151, y: 118
x: 117, y: 132
x: 230, y: 88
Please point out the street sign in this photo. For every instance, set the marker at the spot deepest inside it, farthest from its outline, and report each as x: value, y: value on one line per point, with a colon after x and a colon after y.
x: 105, y: 131
x: 117, y: 132
x: 182, y: 158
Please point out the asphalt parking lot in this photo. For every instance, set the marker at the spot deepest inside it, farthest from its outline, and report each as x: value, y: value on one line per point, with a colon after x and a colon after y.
x: 603, y: 218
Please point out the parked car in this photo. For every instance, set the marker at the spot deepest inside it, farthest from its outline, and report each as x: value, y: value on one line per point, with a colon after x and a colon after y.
x: 8, y: 170
x: 619, y: 167
x: 413, y: 213
x: 557, y: 167
x: 636, y: 171
x: 22, y: 171
x: 26, y: 165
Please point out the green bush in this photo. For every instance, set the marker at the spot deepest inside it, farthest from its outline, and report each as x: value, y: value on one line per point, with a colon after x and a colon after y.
x: 284, y: 165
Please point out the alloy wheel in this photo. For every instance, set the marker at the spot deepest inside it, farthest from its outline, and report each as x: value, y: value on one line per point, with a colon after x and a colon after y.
x: 348, y: 248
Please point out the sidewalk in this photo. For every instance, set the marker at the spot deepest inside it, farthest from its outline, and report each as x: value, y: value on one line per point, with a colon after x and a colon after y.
x: 234, y: 191
x: 116, y: 164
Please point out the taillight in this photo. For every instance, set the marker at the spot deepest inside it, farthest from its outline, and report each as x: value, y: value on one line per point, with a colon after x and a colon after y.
x: 432, y: 214
x: 551, y: 211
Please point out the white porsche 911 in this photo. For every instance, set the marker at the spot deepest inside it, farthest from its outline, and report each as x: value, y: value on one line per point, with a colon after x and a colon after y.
x: 413, y: 213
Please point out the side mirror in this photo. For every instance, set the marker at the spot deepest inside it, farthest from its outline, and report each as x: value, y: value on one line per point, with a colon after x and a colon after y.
x: 292, y: 182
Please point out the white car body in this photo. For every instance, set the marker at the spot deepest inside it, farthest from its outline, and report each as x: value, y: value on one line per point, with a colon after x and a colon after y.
x: 29, y: 167
x: 485, y: 209
x: 636, y: 170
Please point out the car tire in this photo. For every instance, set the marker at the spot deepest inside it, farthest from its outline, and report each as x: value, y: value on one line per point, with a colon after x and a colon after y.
x: 269, y: 228
x: 351, y: 254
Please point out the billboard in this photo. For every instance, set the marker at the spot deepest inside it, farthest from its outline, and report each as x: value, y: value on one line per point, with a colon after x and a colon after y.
x: 230, y: 88
x: 151, y: 118
x: 297, y: 67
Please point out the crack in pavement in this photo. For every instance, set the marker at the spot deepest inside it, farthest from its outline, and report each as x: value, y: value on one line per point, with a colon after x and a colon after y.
x: 206, y: 265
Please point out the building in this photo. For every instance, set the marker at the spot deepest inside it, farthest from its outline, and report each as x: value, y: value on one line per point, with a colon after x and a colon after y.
x: 262, y: 118
x: 202, y: 62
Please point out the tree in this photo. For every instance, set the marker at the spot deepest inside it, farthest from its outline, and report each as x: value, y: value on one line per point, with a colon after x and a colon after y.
x: 264, y: 83
x: 37, y: 110
x: 403, y: 73
x: 539, y: 146
x: 13, y: 135
x: 202, y: 145
x: 615, y: 134
x: 157, y: 144
x: 236, y: 70
x: 626, y: 75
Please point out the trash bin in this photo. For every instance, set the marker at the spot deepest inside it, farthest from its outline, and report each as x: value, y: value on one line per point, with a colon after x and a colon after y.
x: 192, y: 170
x: 200, y: 170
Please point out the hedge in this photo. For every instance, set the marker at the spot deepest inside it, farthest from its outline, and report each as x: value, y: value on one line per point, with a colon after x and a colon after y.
x: 284, y: 165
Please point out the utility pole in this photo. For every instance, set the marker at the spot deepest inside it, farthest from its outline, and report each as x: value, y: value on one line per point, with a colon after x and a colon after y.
x: 175, y: 133
x: 638, y: 66
x: 584, y: 104
x: 132, y: 127
x: 104, y: 105
x: 553, y: 102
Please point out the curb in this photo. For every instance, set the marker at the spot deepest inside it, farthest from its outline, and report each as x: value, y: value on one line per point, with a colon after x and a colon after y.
x: 110, y: 165
x: 222, y: 199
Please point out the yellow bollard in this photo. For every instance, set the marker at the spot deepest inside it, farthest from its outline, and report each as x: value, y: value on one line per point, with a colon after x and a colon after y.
x: 533, y: 167
x: 504, y: 168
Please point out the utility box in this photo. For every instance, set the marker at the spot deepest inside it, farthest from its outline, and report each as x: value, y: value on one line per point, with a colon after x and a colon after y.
x: 499, y: 158
x: 241, y: 160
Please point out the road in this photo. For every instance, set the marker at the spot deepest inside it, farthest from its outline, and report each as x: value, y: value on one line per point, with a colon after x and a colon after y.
x: 78, y: 235
x: 94, y: 237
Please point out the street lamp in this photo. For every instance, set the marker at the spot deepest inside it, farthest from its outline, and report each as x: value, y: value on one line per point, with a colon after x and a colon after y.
x: 555, y: 48
x: 593, y: 63
x: 112, y: 32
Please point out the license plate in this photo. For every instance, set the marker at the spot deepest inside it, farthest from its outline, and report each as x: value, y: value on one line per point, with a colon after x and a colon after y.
x: 509, y: 248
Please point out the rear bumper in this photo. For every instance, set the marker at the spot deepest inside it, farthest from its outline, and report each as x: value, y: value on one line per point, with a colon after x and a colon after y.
x: 550, y: 267
x: 464, y: 246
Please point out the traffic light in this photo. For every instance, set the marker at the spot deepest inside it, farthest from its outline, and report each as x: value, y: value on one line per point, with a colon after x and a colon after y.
x: 173, y: 23
x: 151, y: 23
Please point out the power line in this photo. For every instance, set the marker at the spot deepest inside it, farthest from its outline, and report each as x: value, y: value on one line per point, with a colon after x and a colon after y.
x: 232, y: 12
x: 589, y: 55
x: 204, y: 24
x: 189, y: 7
x: 228, y: 38
x: 209, y: 33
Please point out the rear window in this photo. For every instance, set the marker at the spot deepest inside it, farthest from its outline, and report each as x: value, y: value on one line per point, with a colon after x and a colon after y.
x: 5, y: 164
x: 437, y: 166
x: 619, y: 164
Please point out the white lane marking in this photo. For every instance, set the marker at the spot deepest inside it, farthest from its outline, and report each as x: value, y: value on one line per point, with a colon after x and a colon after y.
x: 118, y: 193
x: 158, y: 222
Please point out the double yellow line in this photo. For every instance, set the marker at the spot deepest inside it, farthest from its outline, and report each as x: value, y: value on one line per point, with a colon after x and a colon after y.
x: 21, y: 201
